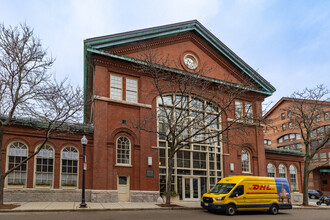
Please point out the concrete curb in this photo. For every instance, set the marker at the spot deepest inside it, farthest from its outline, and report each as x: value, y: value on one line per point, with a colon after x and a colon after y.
x: 104, y: 209
x: 132, y: 209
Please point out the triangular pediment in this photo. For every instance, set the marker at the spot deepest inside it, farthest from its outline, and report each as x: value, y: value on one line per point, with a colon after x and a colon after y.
x: 177, y: 41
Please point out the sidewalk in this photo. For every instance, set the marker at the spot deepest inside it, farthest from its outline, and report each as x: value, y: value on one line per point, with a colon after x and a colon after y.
x: 74, y: 206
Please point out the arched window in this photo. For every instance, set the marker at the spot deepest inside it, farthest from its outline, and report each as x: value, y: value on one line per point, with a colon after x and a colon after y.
x: 69, y: 171
x: 282, y: 171
x: 271, y: 170
x: 44, y: 166
x: 123, y: 151
x: 17, y: 152
x: 293, y: 178
x: 245, y: 161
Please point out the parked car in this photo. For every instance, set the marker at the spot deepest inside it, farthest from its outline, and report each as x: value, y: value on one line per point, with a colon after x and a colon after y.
x: 314, y: 194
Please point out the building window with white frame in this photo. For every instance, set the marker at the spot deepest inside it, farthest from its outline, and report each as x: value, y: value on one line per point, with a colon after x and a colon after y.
x: 69, y: 170
x: 17, y: 153
x: 248, y: 112
x: 238, y: 109
x: 282, y: 171
x: 326, y: 116
x: 123, y: 151
x: 293, y: 178
x: 271, y: 170
x: 131, y: 90
x: 197, y: 158
x: 44, y: 166
x: 116, y: 85
x: 245, y: 157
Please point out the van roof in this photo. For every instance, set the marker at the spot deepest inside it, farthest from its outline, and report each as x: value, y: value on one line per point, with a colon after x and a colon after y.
x: 237, y: 179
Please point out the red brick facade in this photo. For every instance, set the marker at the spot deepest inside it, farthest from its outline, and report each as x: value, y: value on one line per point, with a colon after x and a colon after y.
x: 112, y: 118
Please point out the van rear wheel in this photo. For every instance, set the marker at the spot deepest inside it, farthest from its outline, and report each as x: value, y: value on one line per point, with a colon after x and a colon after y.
x: 231, y: 210
x: 273, y: 209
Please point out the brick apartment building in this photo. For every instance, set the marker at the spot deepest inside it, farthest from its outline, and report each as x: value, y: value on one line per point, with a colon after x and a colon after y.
x: 282, y: 134
x: 129, y: 164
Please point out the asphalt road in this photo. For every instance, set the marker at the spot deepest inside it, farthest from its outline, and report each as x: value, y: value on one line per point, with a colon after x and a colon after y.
x: 295, y: 214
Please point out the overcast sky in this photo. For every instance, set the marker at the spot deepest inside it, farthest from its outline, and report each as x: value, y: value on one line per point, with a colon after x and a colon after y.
x: 287, y: 42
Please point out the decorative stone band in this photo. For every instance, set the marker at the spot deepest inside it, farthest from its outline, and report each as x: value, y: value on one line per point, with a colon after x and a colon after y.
x: 102, y: 98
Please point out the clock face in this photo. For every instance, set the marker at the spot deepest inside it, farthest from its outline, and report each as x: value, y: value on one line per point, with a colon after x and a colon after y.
x: 190, y: 61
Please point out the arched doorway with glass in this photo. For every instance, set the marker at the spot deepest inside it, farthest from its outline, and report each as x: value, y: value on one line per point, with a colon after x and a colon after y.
x: 197, y: 165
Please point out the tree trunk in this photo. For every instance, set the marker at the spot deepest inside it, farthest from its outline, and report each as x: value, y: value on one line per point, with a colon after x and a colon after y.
x: 169, y: 180
x: 2, y: 185
x: 305, y: 183
x: 2, y: 179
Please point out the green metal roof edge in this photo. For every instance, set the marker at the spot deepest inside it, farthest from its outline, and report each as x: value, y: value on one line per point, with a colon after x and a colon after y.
x: 73, y: 127
x: 142, y: 62
x: 284, y: 151
x: 113, y: 40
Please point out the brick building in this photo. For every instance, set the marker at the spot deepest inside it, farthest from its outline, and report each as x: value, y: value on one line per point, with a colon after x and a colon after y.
x: 282, y: 134
x: 129, y: 164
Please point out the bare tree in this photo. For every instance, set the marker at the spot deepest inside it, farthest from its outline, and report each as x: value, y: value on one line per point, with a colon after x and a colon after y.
x: 306, y: 107
x: 27, y: 89
x: 192, y: 108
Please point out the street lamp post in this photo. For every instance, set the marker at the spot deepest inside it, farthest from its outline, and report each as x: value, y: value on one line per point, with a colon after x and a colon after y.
x: 84, y: 143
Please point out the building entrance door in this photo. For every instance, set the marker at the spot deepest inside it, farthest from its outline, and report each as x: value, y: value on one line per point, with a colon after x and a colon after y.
x: 191, y: 188
x: 123, y: 188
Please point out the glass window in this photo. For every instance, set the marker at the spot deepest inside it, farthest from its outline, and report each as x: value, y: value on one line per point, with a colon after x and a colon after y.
x: 199, y: 160
x: 318, y: 118
x: 131, y: 90
x: 326, y: 115
x: 238, y: 109
x: 238, y: 191
x: 280, y: 140
x: 123, y: 150
x: 222, y: 188
x: 289, y: 114
x: 283, y: 116
x: 44, y: 166
x: 183, y: 159
x: 69, y: 175
x: 282, y: 171
x: 292, y: 137
x: 290, y: 125
x: 17, y: 153
x: 245, y: 161
x: 116, y: 87
x: 283, y: 127
x: 323, y: 156
x: 293, y: 178
x: 271, y: 170
x: 162, y: 157
x: 248, y: 112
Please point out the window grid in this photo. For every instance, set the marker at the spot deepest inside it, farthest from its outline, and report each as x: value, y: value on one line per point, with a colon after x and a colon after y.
x: 238, y: 109
x: 44, y: 166
x: 123, y: 150
x: 200, y: 160
x: 293, y: 178
x: 282, y: 171
x: 17, y: 153
x: 131, y: 90
x: 116, y: 87
x: 245, y: 161
x: 271, y: 170
x: 69, y: 175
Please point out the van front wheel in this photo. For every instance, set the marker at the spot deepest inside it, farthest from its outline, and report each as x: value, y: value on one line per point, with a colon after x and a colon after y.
x: 273, y: 209
x: 230, y: 210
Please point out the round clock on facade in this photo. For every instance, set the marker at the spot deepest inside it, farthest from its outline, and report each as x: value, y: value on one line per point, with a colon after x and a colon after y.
x: 190, y: 61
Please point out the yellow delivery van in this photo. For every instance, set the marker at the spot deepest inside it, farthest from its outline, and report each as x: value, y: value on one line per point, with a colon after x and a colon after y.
x: 242, y: 193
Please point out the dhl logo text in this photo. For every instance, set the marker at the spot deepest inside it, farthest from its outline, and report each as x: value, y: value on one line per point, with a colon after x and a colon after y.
x: 261, y: 187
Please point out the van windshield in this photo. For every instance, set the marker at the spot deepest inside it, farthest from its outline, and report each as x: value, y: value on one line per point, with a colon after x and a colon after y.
x: 222, y: 188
